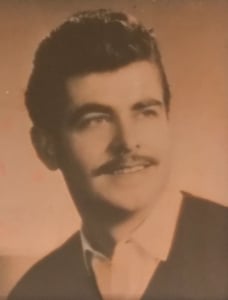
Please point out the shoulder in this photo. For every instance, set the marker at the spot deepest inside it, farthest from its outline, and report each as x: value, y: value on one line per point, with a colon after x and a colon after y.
x: 203, y: 207
x: 203, y: 222
x: 51, y: 272
x: 60, y: 258
x: 199, y: 253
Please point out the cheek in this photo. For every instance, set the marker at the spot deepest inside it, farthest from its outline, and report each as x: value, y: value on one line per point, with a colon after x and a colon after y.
x: 88, y: 148
x: 155, y: 137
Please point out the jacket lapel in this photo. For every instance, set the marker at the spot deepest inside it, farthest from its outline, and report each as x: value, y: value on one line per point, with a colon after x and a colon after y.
x: 200, y: 248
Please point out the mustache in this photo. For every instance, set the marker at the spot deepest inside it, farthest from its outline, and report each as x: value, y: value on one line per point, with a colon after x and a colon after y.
x: 124, y: 162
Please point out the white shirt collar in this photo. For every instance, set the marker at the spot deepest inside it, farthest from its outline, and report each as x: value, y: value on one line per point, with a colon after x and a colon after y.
x: 155, y: 234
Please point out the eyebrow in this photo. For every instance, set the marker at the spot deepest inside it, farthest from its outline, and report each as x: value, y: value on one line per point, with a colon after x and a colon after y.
x: 147, y: 102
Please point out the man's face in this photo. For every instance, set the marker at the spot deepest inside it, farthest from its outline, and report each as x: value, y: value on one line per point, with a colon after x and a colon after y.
x: 114, y: 145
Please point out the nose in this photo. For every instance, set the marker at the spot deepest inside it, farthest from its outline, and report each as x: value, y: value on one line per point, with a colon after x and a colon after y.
x: 124, y: 138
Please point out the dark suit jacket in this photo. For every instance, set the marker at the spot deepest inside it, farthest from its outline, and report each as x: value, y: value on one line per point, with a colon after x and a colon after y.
x: 196, y: 269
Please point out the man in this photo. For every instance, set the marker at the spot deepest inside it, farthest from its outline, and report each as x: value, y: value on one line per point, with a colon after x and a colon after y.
x: 99, y: 100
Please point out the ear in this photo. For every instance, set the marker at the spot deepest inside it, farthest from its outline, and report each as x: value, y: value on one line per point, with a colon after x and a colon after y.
x: 45, y: 148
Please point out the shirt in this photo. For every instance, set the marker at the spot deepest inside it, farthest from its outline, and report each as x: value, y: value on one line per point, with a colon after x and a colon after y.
x: 135, y: 260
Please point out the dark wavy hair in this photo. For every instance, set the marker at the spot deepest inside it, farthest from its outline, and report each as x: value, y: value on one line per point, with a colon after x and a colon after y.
x: 89, y: 41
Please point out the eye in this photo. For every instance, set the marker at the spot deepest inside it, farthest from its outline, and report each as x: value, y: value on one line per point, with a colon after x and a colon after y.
x: 149, y: 112
x: 93, y: 120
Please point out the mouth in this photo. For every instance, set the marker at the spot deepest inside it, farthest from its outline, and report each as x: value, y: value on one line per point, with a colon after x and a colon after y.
x: 127, y: 166
x: 129, y: 169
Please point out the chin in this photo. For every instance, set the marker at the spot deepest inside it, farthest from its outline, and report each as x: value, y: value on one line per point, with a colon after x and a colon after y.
x: 131, y: 193
x: 131, y: 200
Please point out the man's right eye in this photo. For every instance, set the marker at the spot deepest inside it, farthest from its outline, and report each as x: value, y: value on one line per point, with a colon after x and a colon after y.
x: 92, y: 120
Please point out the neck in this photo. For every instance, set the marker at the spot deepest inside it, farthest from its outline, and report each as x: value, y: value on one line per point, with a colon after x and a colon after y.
x: 104, y: 237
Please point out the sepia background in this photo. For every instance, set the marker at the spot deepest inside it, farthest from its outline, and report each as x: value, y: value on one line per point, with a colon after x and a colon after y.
x: 36, y: 212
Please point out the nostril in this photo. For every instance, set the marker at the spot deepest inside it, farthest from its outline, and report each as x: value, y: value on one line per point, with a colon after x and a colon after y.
x: 119, y: 148
x: 124, y: 139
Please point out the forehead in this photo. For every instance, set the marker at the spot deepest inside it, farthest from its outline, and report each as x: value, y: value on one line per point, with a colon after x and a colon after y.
x: 122, y: 87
